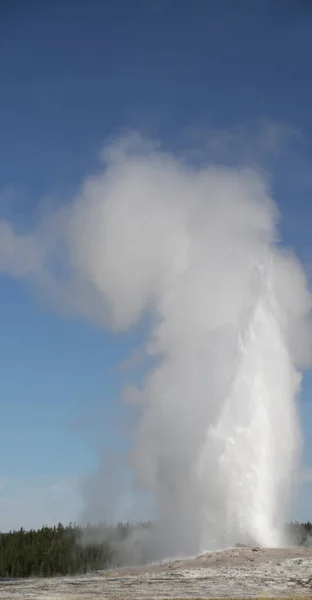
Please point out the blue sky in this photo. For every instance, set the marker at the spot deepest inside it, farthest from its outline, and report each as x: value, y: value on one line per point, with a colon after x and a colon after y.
x: 72, y: 75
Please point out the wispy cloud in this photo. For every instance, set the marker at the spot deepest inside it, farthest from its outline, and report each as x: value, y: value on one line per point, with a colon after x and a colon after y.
x: 258, y: 143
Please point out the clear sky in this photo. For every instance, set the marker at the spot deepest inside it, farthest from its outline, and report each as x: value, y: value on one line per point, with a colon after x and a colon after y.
x: 229, y: 78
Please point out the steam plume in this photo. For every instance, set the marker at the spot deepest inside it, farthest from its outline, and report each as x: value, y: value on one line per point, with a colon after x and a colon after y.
x: 197, y: 249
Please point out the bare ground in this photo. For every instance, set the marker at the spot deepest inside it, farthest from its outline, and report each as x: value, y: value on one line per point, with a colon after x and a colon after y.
x: 232, y: 573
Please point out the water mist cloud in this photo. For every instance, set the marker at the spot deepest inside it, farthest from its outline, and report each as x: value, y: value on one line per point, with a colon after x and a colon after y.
x: 197, y: 249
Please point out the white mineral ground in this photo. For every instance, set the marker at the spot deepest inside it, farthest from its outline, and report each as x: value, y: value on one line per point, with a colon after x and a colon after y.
x: 231, y: 573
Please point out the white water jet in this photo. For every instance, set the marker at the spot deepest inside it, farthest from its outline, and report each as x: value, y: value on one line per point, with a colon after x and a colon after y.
x: 255, y: 439
x: 224, y: 410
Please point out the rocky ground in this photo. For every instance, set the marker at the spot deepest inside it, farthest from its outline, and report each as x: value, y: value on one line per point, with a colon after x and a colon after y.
x: 233, y: 573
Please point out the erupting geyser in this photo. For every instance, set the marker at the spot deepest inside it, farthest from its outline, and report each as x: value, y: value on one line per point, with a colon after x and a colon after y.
x: 256, y: 431
x: 217, y: 439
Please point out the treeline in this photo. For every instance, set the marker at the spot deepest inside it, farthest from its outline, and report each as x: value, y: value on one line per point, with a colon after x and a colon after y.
x: 52, y: 551
x: 300, y: 534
